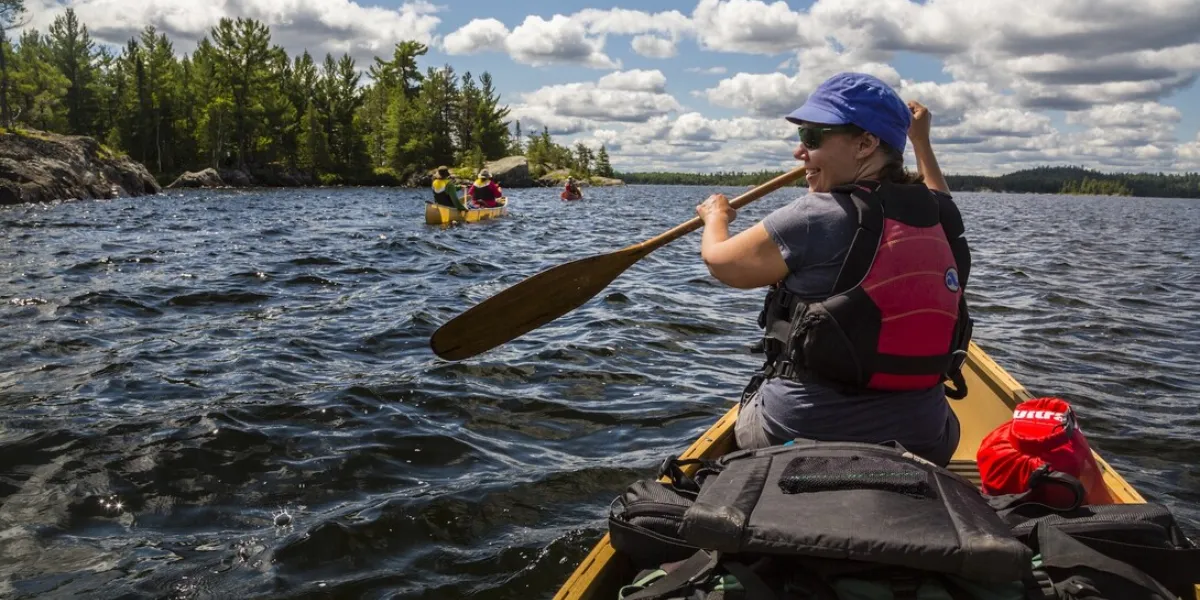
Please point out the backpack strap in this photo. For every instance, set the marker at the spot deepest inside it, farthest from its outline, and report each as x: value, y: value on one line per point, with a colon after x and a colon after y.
x: 672, y: 468
x: 1042, y: 475
x: 1087, y: 566
x: 1174, y: 568
x: 756, y: 588
x: 697, y: 568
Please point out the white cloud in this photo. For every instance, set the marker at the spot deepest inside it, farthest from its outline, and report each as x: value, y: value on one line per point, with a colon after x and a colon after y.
x: 949, y: 102
x: 534, y: 118
x: 619, y: 21
x: 337, y: 26
x: 1054, y: 54
x: 629, y: 96
x: 637, y: 80
x: 751, y: 26
x: 560, y: 40
x: 578, y: 38
x: 707, y: 71
x: 652, y: 46
x: 1189, y: 155
x: 1130, y: 115
x: 480, y: 35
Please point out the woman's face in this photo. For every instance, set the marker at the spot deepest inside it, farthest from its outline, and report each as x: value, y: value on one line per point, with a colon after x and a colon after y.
x: 834, y: 157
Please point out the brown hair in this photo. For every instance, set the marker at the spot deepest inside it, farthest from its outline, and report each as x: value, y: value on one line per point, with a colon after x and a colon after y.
x: 893, y: 170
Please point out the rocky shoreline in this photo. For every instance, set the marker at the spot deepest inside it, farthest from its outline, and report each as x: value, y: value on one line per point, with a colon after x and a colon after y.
x: 36, y: 166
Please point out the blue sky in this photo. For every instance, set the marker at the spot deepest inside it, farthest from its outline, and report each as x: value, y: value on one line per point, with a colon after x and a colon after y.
x: 700, y: 85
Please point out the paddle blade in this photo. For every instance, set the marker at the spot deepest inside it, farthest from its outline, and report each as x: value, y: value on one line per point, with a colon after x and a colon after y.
x: 529, y: 304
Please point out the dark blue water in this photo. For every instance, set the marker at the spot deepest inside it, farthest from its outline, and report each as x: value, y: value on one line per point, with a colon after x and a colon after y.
x: 180, y: 371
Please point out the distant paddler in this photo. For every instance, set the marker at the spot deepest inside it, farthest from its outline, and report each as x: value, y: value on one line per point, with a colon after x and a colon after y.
x: 444, y: 192
x: 485, y: 192
x: 571, y: 190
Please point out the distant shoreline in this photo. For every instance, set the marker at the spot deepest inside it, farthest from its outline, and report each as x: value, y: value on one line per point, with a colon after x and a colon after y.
x: 1040, y: 180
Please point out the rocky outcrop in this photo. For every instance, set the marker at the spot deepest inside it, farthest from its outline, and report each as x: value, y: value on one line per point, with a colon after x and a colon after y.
x: 511, y: 172
x: 36, y: 166
x: 559, y: 178
x: 208, y: 178
x: 272, y: 175
x: 280, y: 175
x: 235, y: 178
x: 554, y: 178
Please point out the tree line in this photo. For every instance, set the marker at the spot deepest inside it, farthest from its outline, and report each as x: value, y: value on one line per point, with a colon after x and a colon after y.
x: 1078, y: 180
x: 1039, y: 180
x: 240, y: 101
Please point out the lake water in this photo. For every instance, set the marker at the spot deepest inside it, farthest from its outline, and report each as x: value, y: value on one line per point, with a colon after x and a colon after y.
x: 212, y: 360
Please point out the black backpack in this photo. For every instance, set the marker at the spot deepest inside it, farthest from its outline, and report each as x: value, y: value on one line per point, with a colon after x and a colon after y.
x: 1117, y: 551
x: 774, y: 519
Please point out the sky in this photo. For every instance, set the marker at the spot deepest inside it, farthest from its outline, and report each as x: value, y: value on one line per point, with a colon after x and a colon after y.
x: 703, y: 85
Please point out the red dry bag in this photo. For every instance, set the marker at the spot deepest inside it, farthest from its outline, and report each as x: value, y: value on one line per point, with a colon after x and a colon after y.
x: 1043, y: 434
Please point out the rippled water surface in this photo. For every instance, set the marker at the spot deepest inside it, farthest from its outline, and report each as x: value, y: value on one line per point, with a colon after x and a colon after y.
x: 212, y: 360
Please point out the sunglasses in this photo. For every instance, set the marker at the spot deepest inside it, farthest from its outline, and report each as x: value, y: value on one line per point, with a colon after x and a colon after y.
x: 812, y: 137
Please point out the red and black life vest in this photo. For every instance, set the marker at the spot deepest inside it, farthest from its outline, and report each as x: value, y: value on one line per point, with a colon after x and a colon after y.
x: 896, y: 318
x: 484, y: 194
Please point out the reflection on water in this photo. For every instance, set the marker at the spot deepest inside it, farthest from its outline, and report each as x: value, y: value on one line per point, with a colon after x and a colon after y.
x: 230, y: 394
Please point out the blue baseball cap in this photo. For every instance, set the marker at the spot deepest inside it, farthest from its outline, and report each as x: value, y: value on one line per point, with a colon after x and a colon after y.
x: 858, y: 99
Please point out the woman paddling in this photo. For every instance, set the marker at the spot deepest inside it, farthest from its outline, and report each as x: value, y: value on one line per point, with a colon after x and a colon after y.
x: 868, y: 364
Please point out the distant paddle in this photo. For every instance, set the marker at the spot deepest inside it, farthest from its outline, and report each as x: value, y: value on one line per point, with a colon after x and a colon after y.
x: 556, y: 291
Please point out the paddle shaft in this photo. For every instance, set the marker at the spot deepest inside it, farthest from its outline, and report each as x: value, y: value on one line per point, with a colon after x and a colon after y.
x: 696, y: 222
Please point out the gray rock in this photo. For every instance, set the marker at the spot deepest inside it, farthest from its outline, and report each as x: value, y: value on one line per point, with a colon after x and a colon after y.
x: 280, y: 175
x: 236, y: 178
x: 208, y: 178
x: 37, y: 166
x: 511, y: 172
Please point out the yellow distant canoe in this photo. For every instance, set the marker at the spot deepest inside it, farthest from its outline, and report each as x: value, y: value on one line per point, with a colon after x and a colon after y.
x: 993, y: 394
x: 439, y: 215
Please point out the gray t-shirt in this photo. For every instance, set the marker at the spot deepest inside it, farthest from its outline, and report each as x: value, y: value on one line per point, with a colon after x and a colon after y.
x: 813, y: 234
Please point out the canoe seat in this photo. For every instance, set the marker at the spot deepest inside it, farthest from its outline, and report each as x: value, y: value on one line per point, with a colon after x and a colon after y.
x: 966, y: 468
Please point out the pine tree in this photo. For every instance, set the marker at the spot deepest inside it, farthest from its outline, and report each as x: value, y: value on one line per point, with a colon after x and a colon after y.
x: 314, y: 147
x: 11, y: 12
x: 603, y: 168
x: 241, y: 51
x: 583, y: 159
x: 72, y: 51
x: 517, y: 148
x: 39, y: 88
x: 493, y: 133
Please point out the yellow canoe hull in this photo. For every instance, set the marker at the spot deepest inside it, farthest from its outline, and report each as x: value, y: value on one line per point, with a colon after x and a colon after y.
x: 440, y: 215
x: 992, y: 395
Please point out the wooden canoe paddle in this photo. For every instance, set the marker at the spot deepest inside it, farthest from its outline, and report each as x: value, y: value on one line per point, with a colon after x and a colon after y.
x: 554, y: 292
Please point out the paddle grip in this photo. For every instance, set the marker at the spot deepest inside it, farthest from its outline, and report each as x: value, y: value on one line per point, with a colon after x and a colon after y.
x: 696, y: 223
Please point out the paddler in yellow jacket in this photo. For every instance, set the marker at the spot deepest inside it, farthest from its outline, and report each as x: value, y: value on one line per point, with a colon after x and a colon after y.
x: 444, y: 192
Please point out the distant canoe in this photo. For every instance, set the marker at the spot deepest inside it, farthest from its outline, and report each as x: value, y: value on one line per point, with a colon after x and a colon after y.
x: 440, y: 215
x: 566, y: 196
